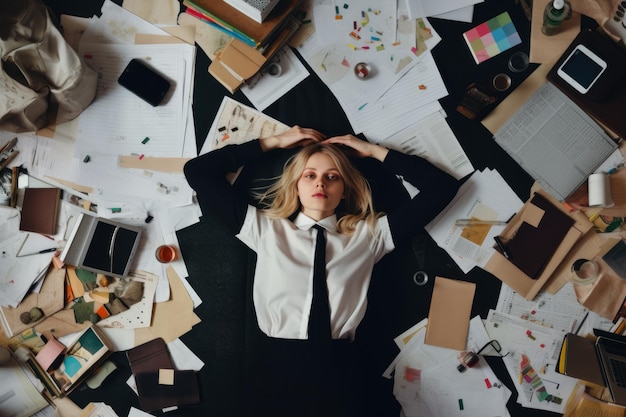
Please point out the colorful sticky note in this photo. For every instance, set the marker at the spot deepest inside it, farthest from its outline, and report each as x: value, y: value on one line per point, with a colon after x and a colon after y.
x: 492, y: 37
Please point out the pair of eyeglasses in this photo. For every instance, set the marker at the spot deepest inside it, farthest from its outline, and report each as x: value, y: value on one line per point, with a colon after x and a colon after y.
x: 492, y: 348
x: 469, y: 359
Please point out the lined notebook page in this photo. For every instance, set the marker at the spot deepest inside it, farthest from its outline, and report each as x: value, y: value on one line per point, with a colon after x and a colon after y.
x: 118, y: 122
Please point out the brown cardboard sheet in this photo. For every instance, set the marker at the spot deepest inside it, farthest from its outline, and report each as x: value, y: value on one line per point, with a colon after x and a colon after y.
x: 538, y: 237
x: 153, y: 163
x: 49, y: 299
x: 514, y: 277
x: 605, y: 296
x: 170, y: 319
x: 585, y: 248
x: 449, y: 314
x: 237, y: 63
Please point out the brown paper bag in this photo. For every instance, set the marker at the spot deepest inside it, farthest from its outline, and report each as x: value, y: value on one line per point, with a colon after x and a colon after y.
x: 608, y: 13
x: 42, y: 79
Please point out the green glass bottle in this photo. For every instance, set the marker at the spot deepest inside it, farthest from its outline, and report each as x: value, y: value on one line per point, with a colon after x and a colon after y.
x: 555, y: 12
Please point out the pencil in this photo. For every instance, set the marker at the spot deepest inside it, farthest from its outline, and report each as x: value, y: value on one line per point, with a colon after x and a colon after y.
x: 471, y: 222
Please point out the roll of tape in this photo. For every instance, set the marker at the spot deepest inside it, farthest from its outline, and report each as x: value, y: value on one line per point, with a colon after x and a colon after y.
x: 599, y: 186
x: 274, y: 69
x: 420, y: 278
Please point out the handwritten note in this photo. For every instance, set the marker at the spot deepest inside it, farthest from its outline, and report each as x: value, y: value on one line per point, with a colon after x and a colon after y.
x: 237, y: 123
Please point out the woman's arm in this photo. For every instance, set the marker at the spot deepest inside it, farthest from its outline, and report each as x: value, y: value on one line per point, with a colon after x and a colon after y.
x: 437, y: 188
x: 362, y: 148
x: 206, y: 174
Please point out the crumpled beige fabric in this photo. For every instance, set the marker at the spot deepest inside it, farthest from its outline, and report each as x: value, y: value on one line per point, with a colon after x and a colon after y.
x: 42, y: 79
x: 609, y: 14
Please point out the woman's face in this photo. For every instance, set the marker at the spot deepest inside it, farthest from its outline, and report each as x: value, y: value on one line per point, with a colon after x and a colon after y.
x: 320, y: 187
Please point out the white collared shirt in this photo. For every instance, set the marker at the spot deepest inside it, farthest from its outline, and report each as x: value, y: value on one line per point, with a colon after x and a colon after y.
x: 283, y: 281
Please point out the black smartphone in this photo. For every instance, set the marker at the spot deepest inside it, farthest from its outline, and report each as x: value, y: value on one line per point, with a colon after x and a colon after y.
x: 145, y: 82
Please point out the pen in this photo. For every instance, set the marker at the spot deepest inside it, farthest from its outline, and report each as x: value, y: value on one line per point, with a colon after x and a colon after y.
x: 39, y: 252
x: 501, y: 246
x: 581, y: 323
x: 470, y: 222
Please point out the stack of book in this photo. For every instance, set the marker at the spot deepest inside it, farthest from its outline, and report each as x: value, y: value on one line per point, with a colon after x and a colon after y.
x: 255, y: 9
x: 253, y: 42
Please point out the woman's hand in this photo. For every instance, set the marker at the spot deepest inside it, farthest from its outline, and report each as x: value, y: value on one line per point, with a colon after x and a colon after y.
x: 361, y: 147
x: 291, y: 138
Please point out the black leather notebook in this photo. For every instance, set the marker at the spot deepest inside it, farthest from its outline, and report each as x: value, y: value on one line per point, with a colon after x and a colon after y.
x: 40, y: 210
x: 167, y: 388
x: 532, y: 247
x: 606, y: 99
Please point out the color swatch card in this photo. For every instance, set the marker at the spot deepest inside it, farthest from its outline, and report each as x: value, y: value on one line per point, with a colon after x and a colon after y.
x: 492, y: 37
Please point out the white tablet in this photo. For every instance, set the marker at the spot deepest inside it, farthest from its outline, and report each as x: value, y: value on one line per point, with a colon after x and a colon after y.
x: 582, y: 68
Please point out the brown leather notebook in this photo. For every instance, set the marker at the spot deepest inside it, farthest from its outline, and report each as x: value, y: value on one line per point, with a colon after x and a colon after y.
x: 40, y: 210
x: 606, y: 100
x: 150, y: 356
x: 578, y: 359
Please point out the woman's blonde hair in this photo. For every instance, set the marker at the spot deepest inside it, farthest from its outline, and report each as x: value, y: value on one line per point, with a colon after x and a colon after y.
x: 281, y: 199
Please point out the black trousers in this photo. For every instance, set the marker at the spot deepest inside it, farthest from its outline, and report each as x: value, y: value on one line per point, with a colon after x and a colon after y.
x: 288, y: 380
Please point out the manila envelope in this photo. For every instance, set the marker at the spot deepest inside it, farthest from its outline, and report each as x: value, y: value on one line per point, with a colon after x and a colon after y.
x: 449, y: 314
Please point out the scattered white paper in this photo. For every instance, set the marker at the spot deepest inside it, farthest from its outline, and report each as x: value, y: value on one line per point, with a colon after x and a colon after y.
x: 432, y: 139
x: 486, y: 196
x: 264, y: 89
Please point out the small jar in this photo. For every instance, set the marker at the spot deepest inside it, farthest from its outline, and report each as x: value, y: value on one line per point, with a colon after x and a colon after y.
x: 555, y: 12
x: 468, y: 360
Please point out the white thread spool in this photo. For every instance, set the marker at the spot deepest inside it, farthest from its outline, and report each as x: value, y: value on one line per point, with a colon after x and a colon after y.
x: 599, y: 185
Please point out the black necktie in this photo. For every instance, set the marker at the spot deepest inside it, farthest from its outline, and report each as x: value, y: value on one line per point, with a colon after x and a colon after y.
x: 319, y: 320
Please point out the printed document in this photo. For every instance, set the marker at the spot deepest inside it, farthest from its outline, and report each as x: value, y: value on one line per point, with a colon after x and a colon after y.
x: 555, y: 141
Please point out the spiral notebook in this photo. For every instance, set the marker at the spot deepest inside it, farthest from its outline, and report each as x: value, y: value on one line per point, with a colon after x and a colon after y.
x: 555, y: 141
